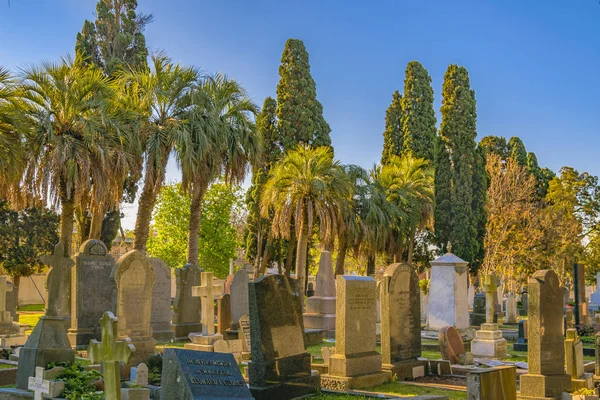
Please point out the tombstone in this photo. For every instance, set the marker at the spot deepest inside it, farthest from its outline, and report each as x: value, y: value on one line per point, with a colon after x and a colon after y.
x: 7, y: 325
x: 91, y: 291
x: 452, y: 347
x: 546, y: 354
x: 579, y: 293
x: 48, y: 341
x: 488, y: 342
x: 310, y: 291
x: 40, y: 386
x: 511, y: 309
x: 58, y: 285
x: 239, y: 297
x: 191, y: 375
x: 12, y: 301
x: 521, y: 344
x: 574, y: 362
x: 233, y: 347
x: 223, y: 313
x: 477, y: 317
x: 448, y: 305
x: 499, y: 383
x: 356, y: 363
x: 597, y: 366
x: 111, y: 352
x: 139, y: 375
x: 471, y: 296
x: 595, y: 297
x: 207, y: 291
x: 160, y: 314
x: 400, y: 321
x: 424, y: 308
x: 134, y: 277
x: 524, y: 301
x: 320, y: 308
x: 186, y: 309
x: 280, y: 367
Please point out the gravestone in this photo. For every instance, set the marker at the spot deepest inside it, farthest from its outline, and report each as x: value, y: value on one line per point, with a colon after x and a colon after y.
x: 48, y: 341
x: 521, y: 344
x: 452, y: 347
x: 499, y: 383
x: 546, y: 354
x: 207, y: 291
x: 140, y: 376
x: 245, y: 332
x: 400, y: 321
x: 12, y: 301
x: 280, y: 366
x: 223, y: 313
x: 58, y: 284
x: 320, y: 308
x: 134, y: 277
x: 40, y: 386
x: 111, y: 353
x: 511, y: 309
x: 525, y: 301
x: 448, y: 304
x: 92, y: 292
x: 191, y: 375
x: 595, y: 297
x: 234, y: 347
x: 356, y: 363
x: 478, y: 314
x: 488, y: 340
x: 239, y: 296
x: 160, y: 316
x: 7, y: 325
x: 574, y: 362
x: 186, y: 309
x: 579, y: 294
x: 471, y: 296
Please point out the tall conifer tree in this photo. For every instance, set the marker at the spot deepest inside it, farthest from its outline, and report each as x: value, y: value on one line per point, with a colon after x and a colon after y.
x: 516, y: 150
x: 458, y: 132
x: 418, y: 115
x: 393, y: 137
x: 299, y: 113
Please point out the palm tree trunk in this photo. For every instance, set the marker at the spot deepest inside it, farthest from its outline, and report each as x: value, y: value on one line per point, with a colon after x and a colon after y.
x: 194, y: 226
x: 341, y: 258
x: 259, y: 246
x: 301, y: 250
x: 96, y: 225
x: 411, y: 247
x: 144, y: 215
x: 265, y: 257
x: 371, y: 265
x: 66, y: 220
x: 290, y: 255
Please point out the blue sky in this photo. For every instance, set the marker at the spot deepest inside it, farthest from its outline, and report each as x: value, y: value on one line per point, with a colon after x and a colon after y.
x: 535, y: 65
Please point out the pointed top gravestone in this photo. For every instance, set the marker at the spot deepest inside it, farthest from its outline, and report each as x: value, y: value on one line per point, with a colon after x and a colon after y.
x: 58, y: 282
x: 325, y: 276
x: 110, y: 352
x: 239, y: 296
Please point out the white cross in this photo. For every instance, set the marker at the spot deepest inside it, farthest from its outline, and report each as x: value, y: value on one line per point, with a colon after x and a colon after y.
x: 38, y: 384
x: 207, y: 291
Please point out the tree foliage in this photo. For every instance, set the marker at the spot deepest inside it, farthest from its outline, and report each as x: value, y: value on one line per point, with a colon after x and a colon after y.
x: 516, y: 150
x: 393, y: 136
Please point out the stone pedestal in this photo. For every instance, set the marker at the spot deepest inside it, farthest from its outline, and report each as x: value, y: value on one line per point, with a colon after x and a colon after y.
x: 586, y: 381
x: 360, y: 372
x: 202, y: 342
x: 552, y: 385
x: 48, y: 343
x: 320, y: 314
x: 406, y: 369
x: 489, y: 342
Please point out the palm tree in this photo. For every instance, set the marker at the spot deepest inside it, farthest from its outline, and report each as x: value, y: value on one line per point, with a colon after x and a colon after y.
x: 307, y: 184
x: 222, y: 143
x: 68, y: 113
x: 11, y: 149
x: 408, y: 183
x: 164, y: 92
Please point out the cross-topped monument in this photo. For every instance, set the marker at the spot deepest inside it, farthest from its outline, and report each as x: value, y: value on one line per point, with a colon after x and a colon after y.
x: 110, y: 352
x: 490, y: 287
x: 5, y: 316
x: 58, y: 282
x: 207, y: 291
x: 40, y: 386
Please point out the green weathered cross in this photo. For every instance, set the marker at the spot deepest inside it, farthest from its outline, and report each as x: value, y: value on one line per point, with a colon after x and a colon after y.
x: 59, y: 282
x: 111, y: 353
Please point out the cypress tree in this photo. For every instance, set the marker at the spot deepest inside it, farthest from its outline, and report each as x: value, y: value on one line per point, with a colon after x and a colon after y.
x: 418, y: 116
x: 299, y: 113
x: 494, y: 144
x: 116, y: 38
x: 458, y: 131
x: 443, y: 193
x: 480, y: 186
x: 393, y: 137
x: 516, y: 150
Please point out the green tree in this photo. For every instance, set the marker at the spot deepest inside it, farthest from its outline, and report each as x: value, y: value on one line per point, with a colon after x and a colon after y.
x: 458, y: 133
x: 307, y: 185
x: 116, y: 38
x: 480, y: 187
x: 25, y: 236
x: 299, y: 112
x: 12, y: 152
x: 495, y: 145
x: 443, y: 192
x: 418, y: 116
x: 516, y: 150
x: 393, y: 136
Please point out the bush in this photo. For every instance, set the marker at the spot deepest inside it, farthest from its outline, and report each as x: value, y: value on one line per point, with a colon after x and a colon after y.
x: 585, y: 330
x: 80, y: 384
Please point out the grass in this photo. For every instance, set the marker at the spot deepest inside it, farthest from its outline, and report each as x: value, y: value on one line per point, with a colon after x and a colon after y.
x: 32, y: 307
x: 29, y: 319
x: 412, y: 390
x: 335, y: 396
x: 178, y: 344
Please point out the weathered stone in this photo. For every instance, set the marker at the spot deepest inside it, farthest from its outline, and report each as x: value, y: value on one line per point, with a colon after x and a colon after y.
x: 400, y: 320
x: 477, y: 317
x: 320, y: 308
x: 574, y: 362
x: 191, y: 375
x: 111, y: 352
x: 41, y: 386
x: 521, y: 344
x: 546, y: 355
x: 489, y: 342
x: 595, y: 297
x: 499, y: 383
x: 239, y: 296
x: 186, y: 308
x: 207, y: 291
x: 160, y: 316
x: 134, y: 277
x: 356, y: 363
x: 92, y: 292
x: 511, y: 309
x: 7, y: 325
x: 58, y: 284
x: 280, y: 366
x: 12, y: 300
x: 245, y: 332
x: 448, y: 304
x: 141, y: 375
x: 223, y: 313
x: 451, y: 344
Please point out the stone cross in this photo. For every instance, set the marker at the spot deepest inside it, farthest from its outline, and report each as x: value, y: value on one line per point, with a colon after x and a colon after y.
x: 4, y: 288
x: 490, y: 288
x: 38, y: 385
x: 207, y: 291
x: 59, y: 282
x: 110, y: 352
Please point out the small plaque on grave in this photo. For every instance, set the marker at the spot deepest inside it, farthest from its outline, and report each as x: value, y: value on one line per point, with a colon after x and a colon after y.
x: 189, y: 375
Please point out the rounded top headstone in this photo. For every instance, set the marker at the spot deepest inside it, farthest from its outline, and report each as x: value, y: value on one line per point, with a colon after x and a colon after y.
x: 93, y: 247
